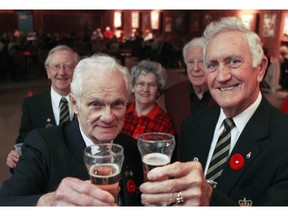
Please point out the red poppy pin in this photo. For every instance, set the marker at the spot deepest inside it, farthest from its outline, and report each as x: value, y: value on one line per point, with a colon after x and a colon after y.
x: 237, y: 162
x: 131, y: 186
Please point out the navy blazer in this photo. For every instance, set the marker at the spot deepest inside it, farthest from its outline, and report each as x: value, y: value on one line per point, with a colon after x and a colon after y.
x: 37, y: 112
x: 263, y: 180
x: 51, y: 154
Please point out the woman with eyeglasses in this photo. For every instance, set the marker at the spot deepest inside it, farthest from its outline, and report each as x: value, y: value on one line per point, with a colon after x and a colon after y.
x: 144, y: 114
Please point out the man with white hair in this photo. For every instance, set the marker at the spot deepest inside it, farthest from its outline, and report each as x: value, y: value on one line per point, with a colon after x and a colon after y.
x: 51, y: 170
x: 244, y: 164
x: 194, y: 93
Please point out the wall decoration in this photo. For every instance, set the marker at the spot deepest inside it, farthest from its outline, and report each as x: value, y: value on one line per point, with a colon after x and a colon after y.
x: 269, y: 25
x: 179, y: 22
x: 168, y: 24
x: 194, y: 22
x: 146, y: 20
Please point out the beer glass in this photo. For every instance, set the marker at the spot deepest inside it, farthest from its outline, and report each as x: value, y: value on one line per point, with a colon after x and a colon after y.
x: 104, y: 163
x: 18, y: 147
x: 156, y: 150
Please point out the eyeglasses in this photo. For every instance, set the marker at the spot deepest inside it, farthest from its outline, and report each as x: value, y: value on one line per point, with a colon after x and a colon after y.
x: 151, y: 85
x: 57, y: 67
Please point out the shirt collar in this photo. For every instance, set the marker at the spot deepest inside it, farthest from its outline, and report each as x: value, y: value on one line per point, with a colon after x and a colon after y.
x: 152, y: 114
x: 88, y: 141
x: 56, y: 98
x: 242, y: 118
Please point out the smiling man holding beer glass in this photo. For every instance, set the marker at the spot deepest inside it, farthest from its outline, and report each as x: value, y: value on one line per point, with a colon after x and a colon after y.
x: 52, y: 171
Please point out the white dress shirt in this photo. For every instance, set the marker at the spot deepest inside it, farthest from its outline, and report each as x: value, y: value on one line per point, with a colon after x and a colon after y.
x: 56, y: 98
x: 87, y: 140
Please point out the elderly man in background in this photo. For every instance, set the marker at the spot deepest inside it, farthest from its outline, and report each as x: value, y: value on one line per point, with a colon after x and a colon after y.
x: 188, y: 97
x: 43, y: 110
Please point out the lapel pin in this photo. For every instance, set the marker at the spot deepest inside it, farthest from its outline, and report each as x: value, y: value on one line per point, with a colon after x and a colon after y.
x: 248, y: 155
x: 237, y: 162
x: 49, y: 124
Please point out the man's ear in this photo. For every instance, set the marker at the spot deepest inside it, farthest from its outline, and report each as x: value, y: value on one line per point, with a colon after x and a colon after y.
x: 262, y: 68
x: 74, y: 103
x: 48, y: 73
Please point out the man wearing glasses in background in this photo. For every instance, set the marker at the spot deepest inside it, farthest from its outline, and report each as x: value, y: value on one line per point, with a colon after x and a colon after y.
x: 43, y: 110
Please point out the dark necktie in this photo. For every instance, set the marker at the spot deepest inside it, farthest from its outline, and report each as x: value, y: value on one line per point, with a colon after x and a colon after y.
x: 64, y: 111
x: 221, y: 151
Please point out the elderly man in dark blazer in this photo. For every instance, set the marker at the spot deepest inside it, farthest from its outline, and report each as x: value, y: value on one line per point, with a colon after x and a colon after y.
x: 244, y: 164
x: 186, y: 98
x: 51, y: 170
x: 43, y: 110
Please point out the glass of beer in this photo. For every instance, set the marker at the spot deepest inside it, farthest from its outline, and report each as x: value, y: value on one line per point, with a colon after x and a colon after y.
x: 104, y: 163
x: 156, y: 150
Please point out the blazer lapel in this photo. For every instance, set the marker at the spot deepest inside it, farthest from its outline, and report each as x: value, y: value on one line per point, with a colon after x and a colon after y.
x: 205, y: 135
x: 247, y: 146
x: 48, y: 110
x: 75, y: 147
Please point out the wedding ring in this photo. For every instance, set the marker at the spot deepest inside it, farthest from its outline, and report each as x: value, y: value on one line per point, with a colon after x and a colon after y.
x: 179, y: 198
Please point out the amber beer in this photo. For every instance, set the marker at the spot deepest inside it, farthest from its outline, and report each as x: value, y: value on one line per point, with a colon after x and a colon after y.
x: 152, y: 160
x: 106, y: 176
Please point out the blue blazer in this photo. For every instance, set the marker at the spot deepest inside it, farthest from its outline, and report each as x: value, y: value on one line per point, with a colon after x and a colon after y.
x: 263, y: 179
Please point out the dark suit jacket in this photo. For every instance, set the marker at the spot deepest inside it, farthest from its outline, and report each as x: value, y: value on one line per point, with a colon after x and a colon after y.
x: 264, y: 147
x: 51, y: 154
x: 37, y: 112
x: 178, y: 103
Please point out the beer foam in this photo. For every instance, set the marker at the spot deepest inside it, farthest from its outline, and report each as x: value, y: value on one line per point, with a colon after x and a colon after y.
x: 156, y: 159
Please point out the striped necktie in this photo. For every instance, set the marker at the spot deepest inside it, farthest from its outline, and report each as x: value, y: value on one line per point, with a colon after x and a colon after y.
x: 221, y: 151
x: 64, y: 111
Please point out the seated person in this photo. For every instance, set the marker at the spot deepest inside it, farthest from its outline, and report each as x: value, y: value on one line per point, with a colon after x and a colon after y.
x: 188, y: 97
x: 144, y: 114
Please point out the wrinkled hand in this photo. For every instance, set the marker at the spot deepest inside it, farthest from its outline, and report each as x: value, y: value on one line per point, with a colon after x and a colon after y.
x: 12, y: 159
x: 75, y: 192
x: 186, y: 178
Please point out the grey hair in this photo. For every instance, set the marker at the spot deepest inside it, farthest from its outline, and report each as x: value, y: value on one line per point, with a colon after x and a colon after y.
x: 235, y: 24
x: 146, y: 66
x: 102, y: 61
x: 199, y: 41
x: 61, y: 48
